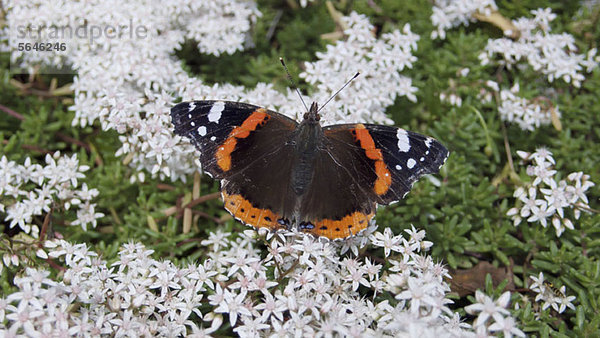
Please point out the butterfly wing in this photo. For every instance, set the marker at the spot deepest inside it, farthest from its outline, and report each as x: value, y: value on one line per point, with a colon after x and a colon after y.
x: 246, y: 147
x: 339, y: 201
x: 219, y: 128
x: 378, y: 164
x: 405, y: 155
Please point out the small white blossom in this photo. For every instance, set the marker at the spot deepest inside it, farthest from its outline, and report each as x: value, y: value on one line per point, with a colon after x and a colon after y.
x: 491, y: 309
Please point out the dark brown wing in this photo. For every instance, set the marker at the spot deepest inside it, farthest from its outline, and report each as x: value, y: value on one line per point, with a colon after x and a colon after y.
x: 215, y: 128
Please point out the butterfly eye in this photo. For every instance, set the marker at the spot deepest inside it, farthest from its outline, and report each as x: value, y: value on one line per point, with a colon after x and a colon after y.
x: 306, y: 116
x: 318, y: 118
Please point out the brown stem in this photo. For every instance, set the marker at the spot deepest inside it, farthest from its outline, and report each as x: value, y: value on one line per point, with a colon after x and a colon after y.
x: 70, y: 139
x: 202, y: 199
x: 45, y: 225
x: 30, y: 147
x: 507, y: 148
x: 11, y: 112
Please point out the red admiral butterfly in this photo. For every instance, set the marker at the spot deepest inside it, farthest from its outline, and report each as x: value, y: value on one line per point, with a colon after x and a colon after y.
x: 276, y: 173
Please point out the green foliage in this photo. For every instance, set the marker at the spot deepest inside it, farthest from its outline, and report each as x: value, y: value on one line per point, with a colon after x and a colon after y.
x: 463, y: 209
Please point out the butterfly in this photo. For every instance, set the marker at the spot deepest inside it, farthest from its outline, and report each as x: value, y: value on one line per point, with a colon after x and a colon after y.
x: 277, y: 173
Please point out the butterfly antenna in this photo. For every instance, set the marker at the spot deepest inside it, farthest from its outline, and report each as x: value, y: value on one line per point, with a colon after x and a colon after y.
x: 292, y: 82
x: 339, y: 90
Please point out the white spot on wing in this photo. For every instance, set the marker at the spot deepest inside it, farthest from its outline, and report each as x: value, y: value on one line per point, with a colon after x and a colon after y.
x: 214, y: 115
x: 192, y: 107
x: 212, y: 138
x: 403, y: 142
x: 428, y: 142
x: 410, y: 163
x: 398, y: 167
x: 202, y: 130
x: 193, y: 124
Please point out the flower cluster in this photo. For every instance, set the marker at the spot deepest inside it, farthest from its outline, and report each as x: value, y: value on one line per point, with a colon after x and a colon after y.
x: 452, y: 13
x: 379, y: 62
x: 126, y: 82
x: 555, y: 298
x: 130, y: 83
x: 109, y: 25
x: 527, y: 114
x: 554, y: 55
x: 487, y: 308
x: 452, y: 98
x: 217, y: 26
x: 546, y: 197
x: 300, y: 286
x: 31, y: 190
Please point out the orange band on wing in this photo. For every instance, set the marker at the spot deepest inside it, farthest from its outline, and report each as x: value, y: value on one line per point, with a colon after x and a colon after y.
x: 384, y: 178
x: 243, y: 210
x: 258, y: 117
x: 349, y: 225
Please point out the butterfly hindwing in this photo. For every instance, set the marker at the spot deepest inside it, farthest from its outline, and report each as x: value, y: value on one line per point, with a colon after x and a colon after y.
x: 219, y: 128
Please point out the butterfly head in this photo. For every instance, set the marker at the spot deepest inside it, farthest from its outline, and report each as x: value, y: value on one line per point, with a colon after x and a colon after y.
x: 312, y: 116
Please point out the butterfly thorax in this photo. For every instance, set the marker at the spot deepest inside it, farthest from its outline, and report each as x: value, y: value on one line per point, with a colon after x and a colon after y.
x: 307, y: 138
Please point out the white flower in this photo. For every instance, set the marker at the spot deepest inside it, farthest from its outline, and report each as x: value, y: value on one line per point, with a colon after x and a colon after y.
x: 233, y: 305
x: 386, y: 241
x: 488, y: 308
x: 271, y: 308
x: 564, y: 300
x: 418, y: 293
x: 507, y: 326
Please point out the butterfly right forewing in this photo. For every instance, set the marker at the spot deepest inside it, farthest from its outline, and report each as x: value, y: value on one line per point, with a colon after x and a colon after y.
x: 211, y: 125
